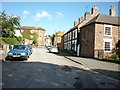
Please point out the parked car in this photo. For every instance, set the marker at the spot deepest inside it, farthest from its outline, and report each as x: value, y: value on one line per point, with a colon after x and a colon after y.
x: 53, y: 49
x: 48, y: 47
x: 18, y: 52
x: 30, y: 48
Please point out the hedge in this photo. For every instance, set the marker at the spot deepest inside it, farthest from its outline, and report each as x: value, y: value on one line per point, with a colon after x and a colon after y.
x: 11, y: 41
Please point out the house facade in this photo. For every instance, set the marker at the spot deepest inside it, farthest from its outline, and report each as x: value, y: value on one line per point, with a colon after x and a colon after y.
x: 71, y: 38
x: 57, y: 38
x: 97, y: 34
x: 32, y: 31
x: 100, y: 36
x: 48, y: 40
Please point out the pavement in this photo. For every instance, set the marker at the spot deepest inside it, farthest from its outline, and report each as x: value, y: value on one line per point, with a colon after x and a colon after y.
x: 103, y: 67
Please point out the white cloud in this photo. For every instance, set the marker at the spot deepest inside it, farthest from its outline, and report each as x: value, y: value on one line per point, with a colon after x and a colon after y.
x: 59, y: 13
x: 26, y: 12
x: 42, y: 14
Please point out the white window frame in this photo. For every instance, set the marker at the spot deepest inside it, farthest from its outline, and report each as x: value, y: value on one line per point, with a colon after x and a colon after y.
x: 70, y: 35
x: 73, y: 34
x: 110, y: 30
x: 32, y: 31
x: 76, y: 34
x: 108, y: 40
x: 75, y: 45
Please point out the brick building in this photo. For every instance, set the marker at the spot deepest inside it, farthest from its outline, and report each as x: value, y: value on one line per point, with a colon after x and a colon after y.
x: 58, y: 40
x: 48, y: 40
x: 100, y: 35
x: 33, y: 30
x: 71, y: 38
x: 94, y: 35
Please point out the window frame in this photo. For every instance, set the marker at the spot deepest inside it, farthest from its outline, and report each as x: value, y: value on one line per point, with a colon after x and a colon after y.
x: 108, y: 40
x: 110, y: 30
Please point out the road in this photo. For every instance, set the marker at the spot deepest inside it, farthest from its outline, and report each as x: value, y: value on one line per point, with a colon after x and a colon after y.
x: 49, y: 70
x: 104, y: 67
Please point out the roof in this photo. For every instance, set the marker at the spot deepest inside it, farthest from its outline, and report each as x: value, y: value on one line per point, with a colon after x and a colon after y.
x: 71, y: 29
x: 106, y: 19
x: 32, y: 27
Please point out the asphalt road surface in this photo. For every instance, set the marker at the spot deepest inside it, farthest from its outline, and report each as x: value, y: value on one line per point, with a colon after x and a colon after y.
x: 49, y: 70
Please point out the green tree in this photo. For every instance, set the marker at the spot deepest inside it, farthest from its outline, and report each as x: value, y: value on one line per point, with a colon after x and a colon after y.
x: 26, y: 34
x: 52, y: 38
x: 8, y: 24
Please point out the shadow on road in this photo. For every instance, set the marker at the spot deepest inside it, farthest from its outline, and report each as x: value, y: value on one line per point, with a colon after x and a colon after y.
x: 46, y: 75
x: 114, y: 74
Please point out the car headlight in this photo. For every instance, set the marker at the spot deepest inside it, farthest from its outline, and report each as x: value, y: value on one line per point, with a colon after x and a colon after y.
x: 23, y: 53
x: 10, y: 54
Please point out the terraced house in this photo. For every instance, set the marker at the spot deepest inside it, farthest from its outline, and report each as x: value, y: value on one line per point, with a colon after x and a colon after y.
x: 94, y: 35
x: 71, y: 37
x: 100, y: 35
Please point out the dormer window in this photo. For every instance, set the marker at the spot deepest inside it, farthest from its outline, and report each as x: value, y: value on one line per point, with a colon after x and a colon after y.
x: 107, y: 30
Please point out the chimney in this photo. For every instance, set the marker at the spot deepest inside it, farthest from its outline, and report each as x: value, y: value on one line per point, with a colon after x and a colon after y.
x: 87, y: 15
x: 95, y: 10
x: 75, y: 23
x: 81, y: 19
x: 112, y: 11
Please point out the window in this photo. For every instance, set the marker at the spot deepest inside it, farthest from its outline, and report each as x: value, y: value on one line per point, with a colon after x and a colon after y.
x: 76, y: 33
x: 107, y: 30
x: 73, y: 35
x: 70, y: 35
x: 32, y: 31
x: 40, y: 32
x: 107, y: 45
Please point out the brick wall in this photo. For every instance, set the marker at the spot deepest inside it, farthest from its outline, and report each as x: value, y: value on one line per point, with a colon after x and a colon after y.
x: 87, y: 41
x: 99, y: 38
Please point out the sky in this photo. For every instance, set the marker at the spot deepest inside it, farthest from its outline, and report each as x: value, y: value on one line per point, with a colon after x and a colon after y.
x: 54, y: 16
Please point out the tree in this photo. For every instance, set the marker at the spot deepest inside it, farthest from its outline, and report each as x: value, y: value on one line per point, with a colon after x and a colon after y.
x: 9, y: 23
x: 52, y: 38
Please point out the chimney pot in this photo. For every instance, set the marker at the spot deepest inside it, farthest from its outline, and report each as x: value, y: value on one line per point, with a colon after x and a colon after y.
x: 112, y: 11
x: 75, y: 23
x: 87, y: 15
x: 81, y: 19
x: 95, y: 10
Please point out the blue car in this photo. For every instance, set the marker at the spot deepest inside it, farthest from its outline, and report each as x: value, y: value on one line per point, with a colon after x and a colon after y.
x: 30, y: 48
x: 18, y: 52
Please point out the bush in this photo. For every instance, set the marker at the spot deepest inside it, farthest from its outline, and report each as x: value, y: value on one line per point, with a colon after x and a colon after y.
x: 114, y: 56
x: 11, y: 41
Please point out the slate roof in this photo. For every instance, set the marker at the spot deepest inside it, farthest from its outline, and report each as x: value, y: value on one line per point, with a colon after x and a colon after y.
x: 32, y: 27
x: 105, y: 19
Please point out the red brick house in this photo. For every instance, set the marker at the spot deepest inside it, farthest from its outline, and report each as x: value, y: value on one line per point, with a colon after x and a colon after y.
x: 71, y: 37
x: 97, y: 34
x: 32, y: 30
x: 58, y: 40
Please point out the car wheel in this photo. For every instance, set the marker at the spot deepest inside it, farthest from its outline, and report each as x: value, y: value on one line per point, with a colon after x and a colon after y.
x: 26, y: 58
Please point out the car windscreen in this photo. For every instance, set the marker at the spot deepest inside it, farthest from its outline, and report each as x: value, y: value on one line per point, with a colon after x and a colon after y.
x: 19, y: 47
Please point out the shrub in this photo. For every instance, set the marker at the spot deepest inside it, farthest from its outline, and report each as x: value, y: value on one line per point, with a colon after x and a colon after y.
x: 11, y: 41
x: 114, y: 56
